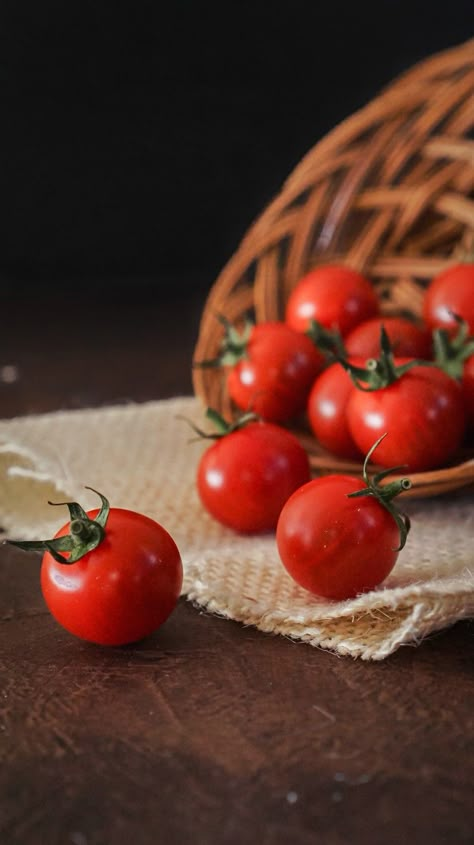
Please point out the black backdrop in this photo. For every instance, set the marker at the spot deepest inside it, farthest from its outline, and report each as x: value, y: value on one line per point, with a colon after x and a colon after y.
x: 140, y: 140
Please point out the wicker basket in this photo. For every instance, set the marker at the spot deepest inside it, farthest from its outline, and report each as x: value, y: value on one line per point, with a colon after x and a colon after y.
x: 388, y: 192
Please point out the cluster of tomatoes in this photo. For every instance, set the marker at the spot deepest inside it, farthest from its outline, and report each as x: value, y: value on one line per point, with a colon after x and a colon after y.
x: 358, y: 374
x: 367, y: 384
x: 362, y: 381
x: 413, y: 380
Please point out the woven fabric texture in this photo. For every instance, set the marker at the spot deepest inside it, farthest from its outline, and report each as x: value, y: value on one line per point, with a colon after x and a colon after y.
x: 143, y: 458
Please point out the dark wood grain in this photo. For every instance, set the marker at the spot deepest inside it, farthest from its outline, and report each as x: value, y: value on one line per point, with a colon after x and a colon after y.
x: 208, y: 732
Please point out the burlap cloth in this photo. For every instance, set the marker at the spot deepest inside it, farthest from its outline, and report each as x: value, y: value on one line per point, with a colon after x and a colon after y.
x: 141, y: 457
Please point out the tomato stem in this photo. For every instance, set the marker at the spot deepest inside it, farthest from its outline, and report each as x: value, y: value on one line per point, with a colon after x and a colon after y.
x: 223, y: 428
x: 385, y: 493
x: 328, y: 341
x: 233, y: 346
x: 382, y: 371
x: 234, y: 343
x: 85, y: 533
x: 451, y: 353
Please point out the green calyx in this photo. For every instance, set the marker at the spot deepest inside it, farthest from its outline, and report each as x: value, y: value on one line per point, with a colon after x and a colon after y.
x: 382, y: 371
x: 221, y: 426
x: 234, y: 343
x: 233, y: 346
x: 451, y: 353
x: 385, y: 493
x: 328, y: 341
x: 85, y: 533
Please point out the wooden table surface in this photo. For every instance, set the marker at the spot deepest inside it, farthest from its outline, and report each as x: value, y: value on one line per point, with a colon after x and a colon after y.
x: 208, y: 732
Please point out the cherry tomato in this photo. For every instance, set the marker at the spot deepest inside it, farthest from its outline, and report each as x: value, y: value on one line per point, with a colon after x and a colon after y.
x: 424, y: 413
x: 327, y: 405
x: 454, y: 354
x: 335, y: 296
x: 121, y: 591
x: 276, y: 374
x: 246, y: 476
x: 407, y: 339
x: 449, y: 293
x: 468, y: 392
x: 335, y: 546
x: 111, y: 576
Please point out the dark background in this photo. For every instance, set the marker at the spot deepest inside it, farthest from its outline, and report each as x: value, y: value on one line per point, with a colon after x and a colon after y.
x: 139, y: 141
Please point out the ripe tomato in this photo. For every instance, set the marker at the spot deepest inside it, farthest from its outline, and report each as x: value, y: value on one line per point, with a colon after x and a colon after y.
x: 468, y: 391
x: 424, y: 413
x: 327, y: 405
x: 337, y: 546
x: 246, y: 476
x: 119, y: 591
x: 451, y: 292
x: 276, y: 373
x: 335, y: 296
x: 454, y: 354
x: 407, y: 339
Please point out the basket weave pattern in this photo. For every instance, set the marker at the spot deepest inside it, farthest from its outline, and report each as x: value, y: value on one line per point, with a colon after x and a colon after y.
x: 389, y: 192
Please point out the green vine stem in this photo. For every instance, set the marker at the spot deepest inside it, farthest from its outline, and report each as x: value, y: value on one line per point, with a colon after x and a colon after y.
x: 233, y: 346
x: 382, y: 371
x: 234, y: 343
x: 385, y: 493
x: 85, y: 534
x: 221, y: 426
x: 328, y: 341
x: 451, y: 353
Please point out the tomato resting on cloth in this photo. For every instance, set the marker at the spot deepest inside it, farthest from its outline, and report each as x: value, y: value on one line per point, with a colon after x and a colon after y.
x: 111, y: 576
x: 340, y: 535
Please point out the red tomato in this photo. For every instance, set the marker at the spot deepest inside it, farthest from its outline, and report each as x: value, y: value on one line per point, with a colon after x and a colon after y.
x: 452, y: 292
x: 122, y: 590
x: 335, y: 296
x: 468, y: 391
x: 246, y: 476
x: 327, y: 405
x: 454, y: 354
x: 407, y: 339
x: 424, y: 413
x: 276, y: 374
x: 334, y: 546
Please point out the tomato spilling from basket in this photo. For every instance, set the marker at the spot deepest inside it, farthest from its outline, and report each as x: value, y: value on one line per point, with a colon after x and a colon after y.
x: 340, y: 373
x: 361, y: 384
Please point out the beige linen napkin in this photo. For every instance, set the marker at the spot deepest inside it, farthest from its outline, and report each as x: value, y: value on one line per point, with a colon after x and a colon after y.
x: 141, y: 457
